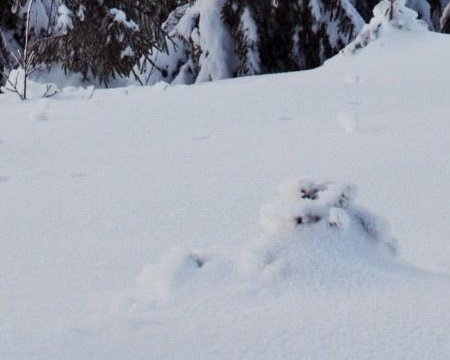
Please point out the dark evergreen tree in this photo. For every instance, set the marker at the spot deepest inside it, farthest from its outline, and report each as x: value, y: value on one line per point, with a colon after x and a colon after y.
x: 365, y: 7
x: 253, y: 37
x: 8, y: 22
x: 289, y: 35
x: 103, y: 39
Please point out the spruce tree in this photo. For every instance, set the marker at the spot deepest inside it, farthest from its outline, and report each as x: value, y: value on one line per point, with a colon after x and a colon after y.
x: 289, y: 35
x: 251, y: 37
x: 103, y: 39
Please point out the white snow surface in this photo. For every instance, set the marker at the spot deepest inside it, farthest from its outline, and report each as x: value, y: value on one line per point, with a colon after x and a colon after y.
x: 133, y: 224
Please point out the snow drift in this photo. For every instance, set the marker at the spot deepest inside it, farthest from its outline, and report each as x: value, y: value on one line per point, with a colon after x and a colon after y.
x: 313, y: 231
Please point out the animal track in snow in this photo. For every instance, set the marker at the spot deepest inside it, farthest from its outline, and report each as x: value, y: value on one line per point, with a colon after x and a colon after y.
x: 78, y: 175
x: 352, y: 79
x: 4, y: 179
x: 348, y: 120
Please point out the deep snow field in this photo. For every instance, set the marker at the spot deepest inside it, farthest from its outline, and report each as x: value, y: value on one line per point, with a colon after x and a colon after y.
x: 134, y: 222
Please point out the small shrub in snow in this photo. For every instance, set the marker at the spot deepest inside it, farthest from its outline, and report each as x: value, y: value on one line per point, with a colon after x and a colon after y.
x: 387, y: 14
x: 316, y: 234
x: 307, y: 202
x: 314, y: 207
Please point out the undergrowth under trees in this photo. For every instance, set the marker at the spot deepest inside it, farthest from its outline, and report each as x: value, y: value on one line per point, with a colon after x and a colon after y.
x: 186, y: 41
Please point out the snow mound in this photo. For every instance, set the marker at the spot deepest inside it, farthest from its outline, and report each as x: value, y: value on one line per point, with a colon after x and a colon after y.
x: 173, y: 271
x: 314, y: 233
x: 315, y: 230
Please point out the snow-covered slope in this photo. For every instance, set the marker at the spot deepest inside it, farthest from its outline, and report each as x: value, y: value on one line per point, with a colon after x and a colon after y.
x: 129, y: 218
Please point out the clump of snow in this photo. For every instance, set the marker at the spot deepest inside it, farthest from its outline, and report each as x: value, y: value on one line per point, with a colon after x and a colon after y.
x: 38, y: 16
x: 387, y: 15
x: 120, y: 17
x: 352, y: 79
x: 128, y: 52
x: 214, y: 39
x: 348, y: 120
x: 64, y: 22
x: 160, y: 86
x: 159, y: 281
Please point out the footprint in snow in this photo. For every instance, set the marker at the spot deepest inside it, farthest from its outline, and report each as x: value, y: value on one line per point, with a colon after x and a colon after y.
x: 4, y: 179
x: 78, y: 175
x: 352, y: 79
x: 285, y: 118
x: 348, y: 121
x: 200, y: 138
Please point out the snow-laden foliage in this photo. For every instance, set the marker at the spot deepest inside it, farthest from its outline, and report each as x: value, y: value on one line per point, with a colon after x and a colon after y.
x: 251, y: 38
x: 3, y: 59
x: 387, y: 14
x: 103, y: 40
x: 428, y: 10
x: 445, y: 20
x: 186, y: 41
x: 200, y: 46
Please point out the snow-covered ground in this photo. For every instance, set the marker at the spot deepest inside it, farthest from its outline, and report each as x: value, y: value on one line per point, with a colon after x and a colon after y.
x: 130, y: 218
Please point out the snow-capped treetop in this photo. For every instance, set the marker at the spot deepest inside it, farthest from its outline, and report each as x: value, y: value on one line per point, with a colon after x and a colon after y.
x: 388, y: 14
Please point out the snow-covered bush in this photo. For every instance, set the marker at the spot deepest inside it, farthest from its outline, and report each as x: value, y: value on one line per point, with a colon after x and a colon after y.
x: 305, y: 203
x: 428, y: 10
x: 315, y: 229
x: 387, y: 14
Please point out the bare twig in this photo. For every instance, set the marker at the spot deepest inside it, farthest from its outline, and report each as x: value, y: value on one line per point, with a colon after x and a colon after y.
x: 13, y: 85
x: 50, y: 91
